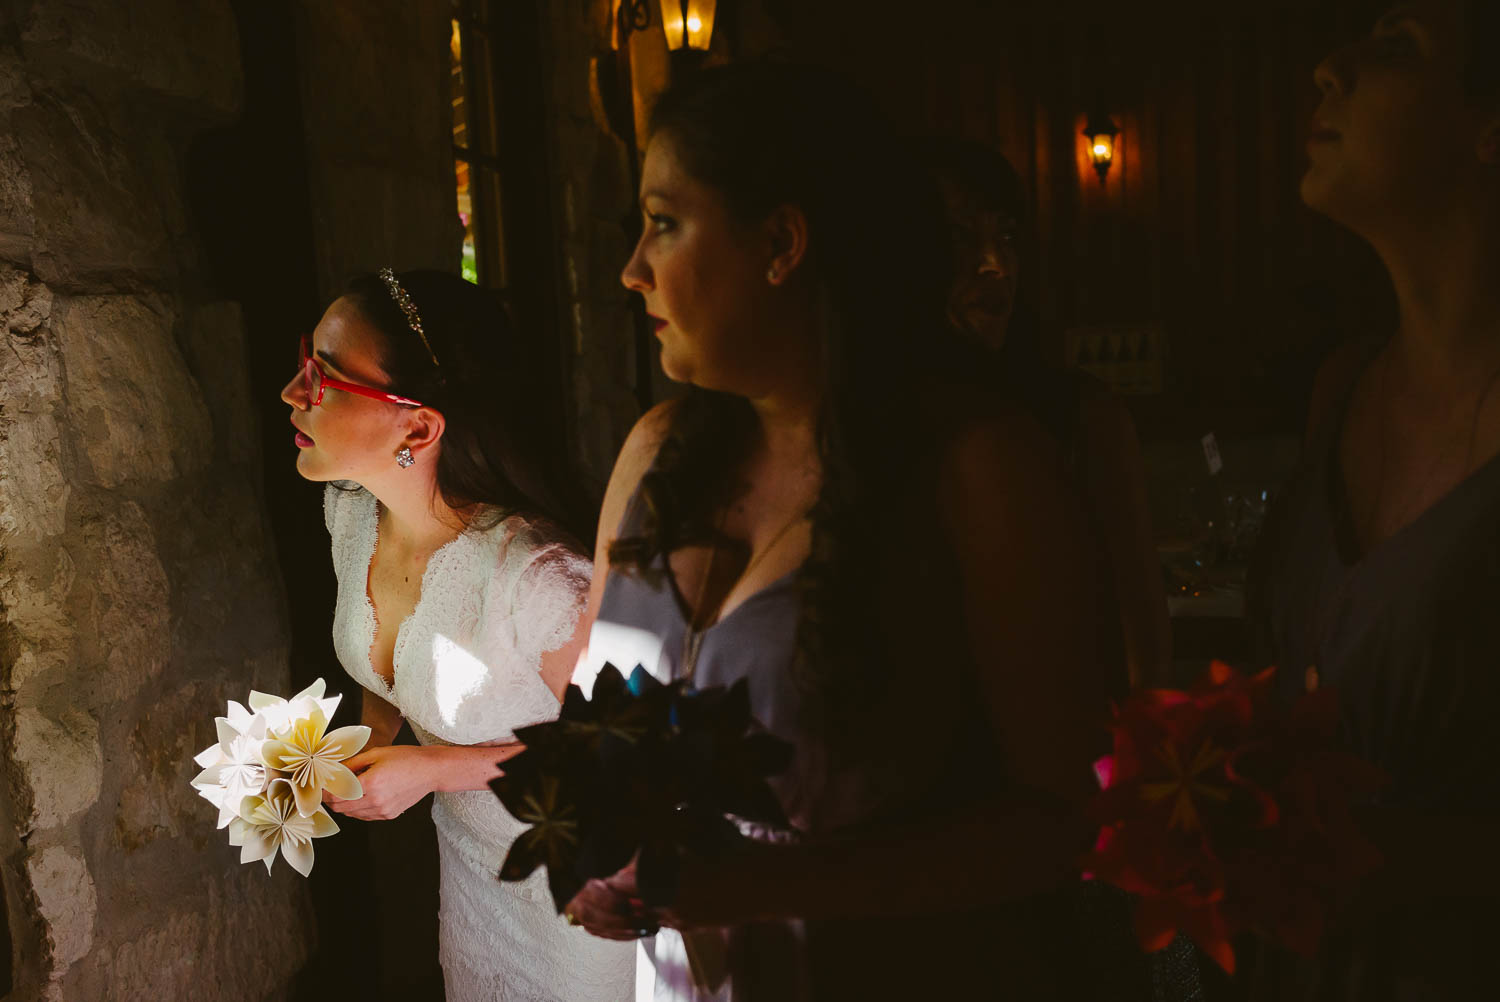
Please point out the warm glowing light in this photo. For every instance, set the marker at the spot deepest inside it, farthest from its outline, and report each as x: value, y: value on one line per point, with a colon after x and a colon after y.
x: 688, y: 24
x: 672, y: 25
x: 1102, y: 135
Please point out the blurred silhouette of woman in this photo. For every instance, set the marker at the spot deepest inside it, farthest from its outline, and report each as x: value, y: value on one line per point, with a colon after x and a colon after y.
x: 1380, y: 575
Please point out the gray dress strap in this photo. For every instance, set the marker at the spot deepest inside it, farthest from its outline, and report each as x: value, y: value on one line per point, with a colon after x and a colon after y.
x: 931, y: 750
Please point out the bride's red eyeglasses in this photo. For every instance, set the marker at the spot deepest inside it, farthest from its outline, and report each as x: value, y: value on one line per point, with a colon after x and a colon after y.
x: 316, y: 381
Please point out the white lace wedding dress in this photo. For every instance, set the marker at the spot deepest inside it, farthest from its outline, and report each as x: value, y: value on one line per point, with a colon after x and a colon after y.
x: 467, y: 666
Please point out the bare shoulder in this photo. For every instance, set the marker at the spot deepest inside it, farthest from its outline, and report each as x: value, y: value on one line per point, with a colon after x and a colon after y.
x: 644, y: 441
x: 1003, y: 457
x: 635, y: 458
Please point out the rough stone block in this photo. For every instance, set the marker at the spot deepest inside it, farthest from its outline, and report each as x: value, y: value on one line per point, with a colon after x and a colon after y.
x: 246, y: 934
x: 25, y: 303
x: 34, y: 599
x: 33, y: 488
x: 135, y: 408
x: 97, y: 213
x: 187, y: 49
x: 157, y: 801
x: 14, y: 90
x: 62, y: 763
x: 16, y: 222
x: 65, y: 897
x: 128, y: 618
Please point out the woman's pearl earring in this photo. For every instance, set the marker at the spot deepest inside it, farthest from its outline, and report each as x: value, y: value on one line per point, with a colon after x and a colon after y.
x: 772, y: 274
x: 404, y: 458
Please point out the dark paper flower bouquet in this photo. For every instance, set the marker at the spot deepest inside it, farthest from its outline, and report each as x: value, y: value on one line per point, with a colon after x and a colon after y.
x: 1223, y: 812
x: 644, y: 770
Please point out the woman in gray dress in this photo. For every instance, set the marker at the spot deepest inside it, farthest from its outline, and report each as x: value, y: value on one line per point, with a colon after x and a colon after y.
x: 1380, y: 574
x: 888, y: 553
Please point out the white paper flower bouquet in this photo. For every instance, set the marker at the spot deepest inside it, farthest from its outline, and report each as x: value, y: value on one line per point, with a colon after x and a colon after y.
x: 268, y: 771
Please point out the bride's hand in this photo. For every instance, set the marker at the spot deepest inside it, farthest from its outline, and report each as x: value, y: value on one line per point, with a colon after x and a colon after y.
x: 393, y: 778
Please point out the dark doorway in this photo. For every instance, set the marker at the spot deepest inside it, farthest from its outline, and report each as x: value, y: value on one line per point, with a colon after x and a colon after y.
x: 250, y: 200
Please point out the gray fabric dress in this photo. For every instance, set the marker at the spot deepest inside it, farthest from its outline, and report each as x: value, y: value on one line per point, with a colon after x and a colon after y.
x: 926, y: 750
x: 1409, y: 635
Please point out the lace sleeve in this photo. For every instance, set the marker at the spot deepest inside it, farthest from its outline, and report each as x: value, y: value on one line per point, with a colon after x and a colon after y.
x: 331, y: 508
x: 550, y: 596
x: 482, y: 688
x: 345, y: 513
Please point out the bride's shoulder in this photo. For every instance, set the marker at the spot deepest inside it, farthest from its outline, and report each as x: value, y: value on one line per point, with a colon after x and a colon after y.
x: 531, y: 551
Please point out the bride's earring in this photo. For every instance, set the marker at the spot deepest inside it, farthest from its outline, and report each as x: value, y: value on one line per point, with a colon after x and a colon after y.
x: 772, y: 274
x: 404, y: 458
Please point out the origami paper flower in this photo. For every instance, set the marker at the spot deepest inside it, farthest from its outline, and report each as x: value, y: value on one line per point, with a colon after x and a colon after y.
x: 642, y: 770
x: 554, y: 838
x: 312, y: 757
x: 271, y: 822
x: 279, y: 713
x: 1224, y: 812
x: 232, y: 769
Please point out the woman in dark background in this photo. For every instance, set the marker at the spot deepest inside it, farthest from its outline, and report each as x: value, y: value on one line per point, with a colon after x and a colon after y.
x: 1381, y: 573
x: 892, y: 557
x: 991, y: 303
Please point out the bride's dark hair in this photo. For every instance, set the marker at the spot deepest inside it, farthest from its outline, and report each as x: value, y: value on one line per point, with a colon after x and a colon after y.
x: 764, y: 135
x: 503, y: 442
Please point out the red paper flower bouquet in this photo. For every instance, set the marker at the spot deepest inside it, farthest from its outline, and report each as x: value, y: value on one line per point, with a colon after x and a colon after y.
x: 1225, y: 811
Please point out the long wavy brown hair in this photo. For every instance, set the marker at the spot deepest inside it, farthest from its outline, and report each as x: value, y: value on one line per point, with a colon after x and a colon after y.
x: 504, y: 448
x: 764, y: 135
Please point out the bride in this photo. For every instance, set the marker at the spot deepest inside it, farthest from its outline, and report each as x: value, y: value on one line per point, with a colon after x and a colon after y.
x: 459, y: 597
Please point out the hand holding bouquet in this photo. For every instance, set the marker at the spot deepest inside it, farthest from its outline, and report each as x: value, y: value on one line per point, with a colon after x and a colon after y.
x: 645, y: 771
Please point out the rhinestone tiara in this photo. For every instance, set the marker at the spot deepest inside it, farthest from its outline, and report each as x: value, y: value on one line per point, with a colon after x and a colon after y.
x: 413, y: 319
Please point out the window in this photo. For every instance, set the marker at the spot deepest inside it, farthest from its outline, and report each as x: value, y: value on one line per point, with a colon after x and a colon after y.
x: 501, y: 152
x: 475, y: 161
x: 460, y: 154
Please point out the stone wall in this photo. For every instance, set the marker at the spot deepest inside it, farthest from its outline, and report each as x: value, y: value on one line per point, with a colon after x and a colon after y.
x: 138, y: 586
x: 594, y: 195
x: 137, y: 591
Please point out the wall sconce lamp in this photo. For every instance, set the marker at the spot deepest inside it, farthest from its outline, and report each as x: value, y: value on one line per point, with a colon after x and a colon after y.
x: 1102, y: 134
x: 630, y: 16
x: 688, y: 24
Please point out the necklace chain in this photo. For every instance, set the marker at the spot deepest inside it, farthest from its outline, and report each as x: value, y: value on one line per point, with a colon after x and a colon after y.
x: 1326, y: 603
x: 692, y: 637
x: 1383, y: 428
